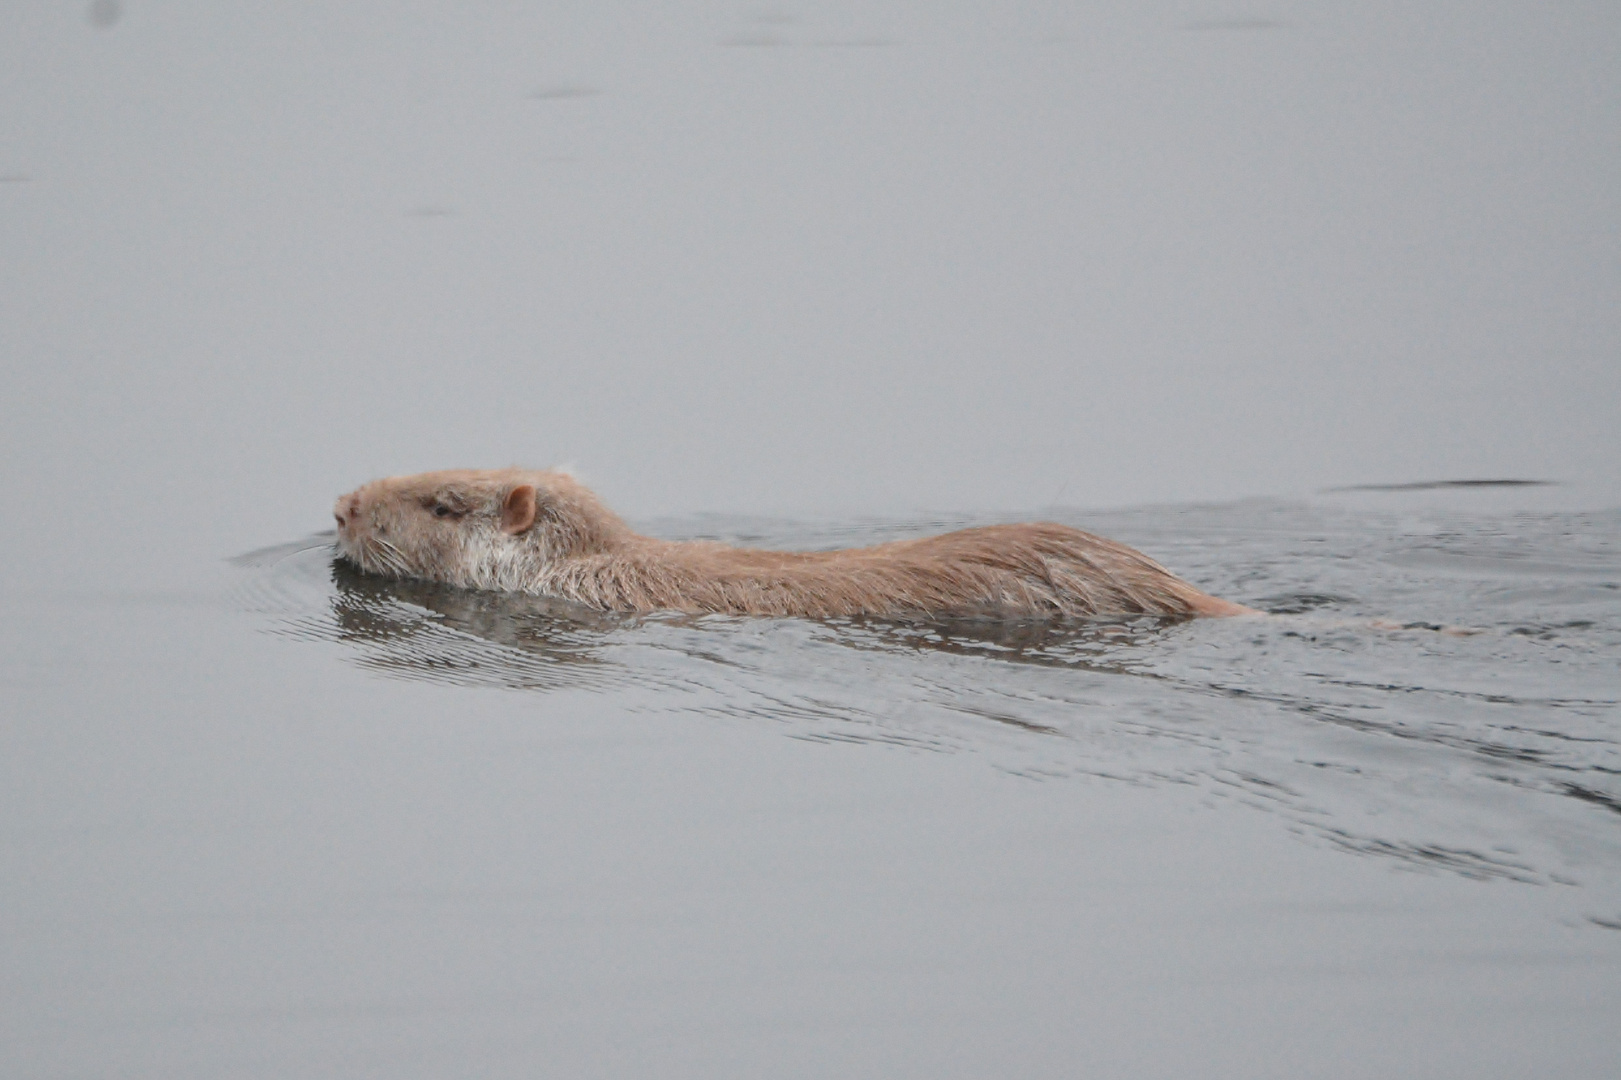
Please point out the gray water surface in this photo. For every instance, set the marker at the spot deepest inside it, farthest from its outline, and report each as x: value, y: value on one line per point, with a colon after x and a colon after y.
x: 299, y: 820
x: 1286, y: 281
x: 1483, y: 744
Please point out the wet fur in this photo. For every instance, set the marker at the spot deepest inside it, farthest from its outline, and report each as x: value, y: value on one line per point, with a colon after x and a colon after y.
x: 468, y: 528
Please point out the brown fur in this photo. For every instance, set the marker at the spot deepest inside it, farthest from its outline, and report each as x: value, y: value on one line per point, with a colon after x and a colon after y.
x: 542, y: 532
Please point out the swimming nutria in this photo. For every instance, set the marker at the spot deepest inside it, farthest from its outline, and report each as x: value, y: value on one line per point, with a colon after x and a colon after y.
x: 544, y: 533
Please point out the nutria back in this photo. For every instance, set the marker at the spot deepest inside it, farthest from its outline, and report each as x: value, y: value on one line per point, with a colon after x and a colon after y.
x: 544, y: 533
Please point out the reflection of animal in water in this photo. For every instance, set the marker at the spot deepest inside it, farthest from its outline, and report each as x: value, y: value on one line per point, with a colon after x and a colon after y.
x: 542, y: 533
x: 423, y: 630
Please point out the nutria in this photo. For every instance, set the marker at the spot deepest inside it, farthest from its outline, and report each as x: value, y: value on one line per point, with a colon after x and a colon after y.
x: 542, y: 532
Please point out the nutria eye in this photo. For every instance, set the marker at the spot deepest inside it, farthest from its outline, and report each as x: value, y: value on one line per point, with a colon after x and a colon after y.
x: 440, y: 510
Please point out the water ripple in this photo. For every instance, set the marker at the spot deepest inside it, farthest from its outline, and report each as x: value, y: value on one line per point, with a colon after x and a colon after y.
x: 1493, y: 756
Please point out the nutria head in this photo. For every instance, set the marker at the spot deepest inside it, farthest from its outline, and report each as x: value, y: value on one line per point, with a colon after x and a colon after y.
x: 491, y: 529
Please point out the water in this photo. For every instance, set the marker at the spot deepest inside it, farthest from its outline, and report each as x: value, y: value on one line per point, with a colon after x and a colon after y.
x: 293, y: 819
x: 1488, y: 754
x: 844, y: 265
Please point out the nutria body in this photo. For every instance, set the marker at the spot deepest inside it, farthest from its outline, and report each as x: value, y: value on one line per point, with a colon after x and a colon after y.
x: 542, y: 532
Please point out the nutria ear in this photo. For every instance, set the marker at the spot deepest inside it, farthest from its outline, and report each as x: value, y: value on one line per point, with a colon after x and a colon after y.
x: 518, y: 509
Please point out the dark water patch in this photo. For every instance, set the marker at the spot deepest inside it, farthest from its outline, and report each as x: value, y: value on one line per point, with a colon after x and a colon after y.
x: 104, y: 14
x: 1598, y: 798
x: 1442, y: 485
x: 1014, y: 721
x: 1299, y: 603
x: 1469, y: 864
x: 1550, y: 632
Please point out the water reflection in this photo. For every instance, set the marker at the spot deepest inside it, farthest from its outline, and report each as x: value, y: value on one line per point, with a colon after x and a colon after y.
x: 1094, y: 644
x: 424, y: 630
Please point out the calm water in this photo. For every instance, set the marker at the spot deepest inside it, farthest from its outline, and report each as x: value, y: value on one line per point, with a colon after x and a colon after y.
x: 1493, y: 755
x: 292, y: 820
x: 265, y: 818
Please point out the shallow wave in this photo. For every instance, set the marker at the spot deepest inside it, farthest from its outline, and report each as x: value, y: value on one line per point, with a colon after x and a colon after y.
x: 1493, y: 755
